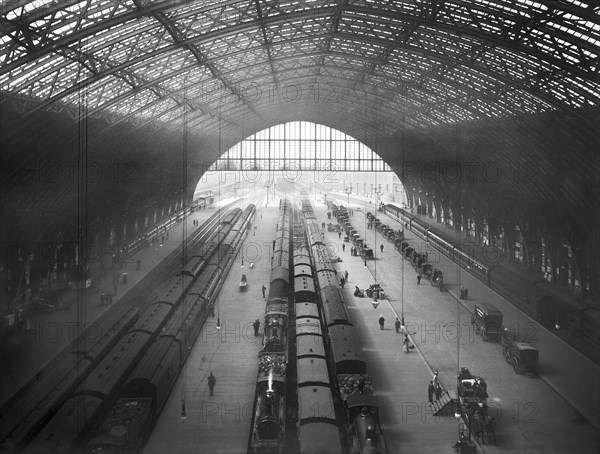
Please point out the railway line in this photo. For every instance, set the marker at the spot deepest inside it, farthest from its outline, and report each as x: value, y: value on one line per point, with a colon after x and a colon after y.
x: 60, y: 390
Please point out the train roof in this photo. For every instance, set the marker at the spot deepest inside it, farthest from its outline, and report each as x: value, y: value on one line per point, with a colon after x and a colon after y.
x: 280, y: 272
x: 304, y: 284
x: 333, y: 305
x: 326, y: 277
x: 302, y: 259
x: 302, y: 269
x: 315, y: 402
x: 281, y: 259
x: 308, y: 326
x: 347, y: 351
x: 310, y: 345
x: 307, y: 309
x: 319, y: 437
x: 312, y: 370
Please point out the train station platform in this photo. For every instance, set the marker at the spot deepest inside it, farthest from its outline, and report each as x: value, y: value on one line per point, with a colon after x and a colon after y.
x: 24, y: 352
x: 523, y: 288
x: 221, y: 423
x: 533, y: 413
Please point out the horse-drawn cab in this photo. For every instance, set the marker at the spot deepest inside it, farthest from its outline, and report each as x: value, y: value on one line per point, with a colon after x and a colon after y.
x: 418, y: 259
x: 435, y: 276
x: 391, y: 235
x: 400, y: 235
x: 472, y: 390
x: 426, y: 269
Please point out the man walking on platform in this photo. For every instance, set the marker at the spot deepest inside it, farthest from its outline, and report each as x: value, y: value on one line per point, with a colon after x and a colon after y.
x: 343, y: 247
x: 397, y: 325
x: 381, y: 321
x: 264, y: 289
x: 212, y: 381
x: 418, y: 279
x: 256, y: 325
x: 430, y: 391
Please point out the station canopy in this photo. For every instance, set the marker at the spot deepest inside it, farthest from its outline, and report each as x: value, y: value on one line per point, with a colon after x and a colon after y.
x: 397, y: 65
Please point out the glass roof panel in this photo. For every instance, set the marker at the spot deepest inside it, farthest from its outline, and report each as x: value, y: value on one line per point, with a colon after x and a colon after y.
x: 514, y: 49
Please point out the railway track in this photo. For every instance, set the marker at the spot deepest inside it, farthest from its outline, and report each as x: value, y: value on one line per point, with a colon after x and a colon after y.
x: 29, y: 407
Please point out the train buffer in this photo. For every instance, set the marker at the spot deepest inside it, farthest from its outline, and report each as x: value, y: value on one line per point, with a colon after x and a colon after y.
x: 444, y: 405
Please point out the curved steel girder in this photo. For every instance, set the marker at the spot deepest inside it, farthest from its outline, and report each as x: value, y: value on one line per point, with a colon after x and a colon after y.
x: 306, y: 14
x: 132, y: 114
x: 371, y: 40
x: 475, y: 96
x: 187, y: 68
x: 368, y: 106
x: 190, y: 67
x: 381, y: 98
x: 197, y: 54
x: 89, y: 32
x: 442, y: 102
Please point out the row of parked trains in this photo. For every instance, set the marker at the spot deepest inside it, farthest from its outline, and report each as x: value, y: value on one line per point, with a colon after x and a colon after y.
x: 549, y: 309
x: 107, y: 398
x: 306, y: 319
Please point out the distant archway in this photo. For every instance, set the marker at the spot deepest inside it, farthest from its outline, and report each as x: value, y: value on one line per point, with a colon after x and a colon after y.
x: 300, y: 145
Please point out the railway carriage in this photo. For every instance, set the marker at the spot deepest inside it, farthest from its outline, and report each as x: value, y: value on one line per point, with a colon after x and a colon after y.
x: 317, y: 423
x: 304, y: 284
x: 82, y: 411
x: 349, y: 366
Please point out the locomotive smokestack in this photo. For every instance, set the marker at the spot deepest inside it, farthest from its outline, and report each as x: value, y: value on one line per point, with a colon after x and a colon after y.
x: 270, y: 380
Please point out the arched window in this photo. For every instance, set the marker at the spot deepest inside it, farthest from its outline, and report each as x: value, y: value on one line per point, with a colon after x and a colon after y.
x: 300, y: 145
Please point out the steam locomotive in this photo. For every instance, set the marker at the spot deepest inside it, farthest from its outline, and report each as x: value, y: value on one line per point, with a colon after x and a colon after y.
x: 269, y: 419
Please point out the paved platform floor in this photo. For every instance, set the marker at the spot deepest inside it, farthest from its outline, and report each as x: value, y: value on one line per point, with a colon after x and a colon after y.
x: 221, y: 423
x: 532, y: 416
x: 559, y: 410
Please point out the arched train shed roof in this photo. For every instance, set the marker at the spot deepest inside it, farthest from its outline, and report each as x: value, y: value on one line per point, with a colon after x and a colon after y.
x: 508, y: 89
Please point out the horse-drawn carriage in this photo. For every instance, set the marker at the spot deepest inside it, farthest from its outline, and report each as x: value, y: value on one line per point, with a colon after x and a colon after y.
x: 425, y: 269
x: 472, y: 400
x: 417, y: 259
x: 437, y: 278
